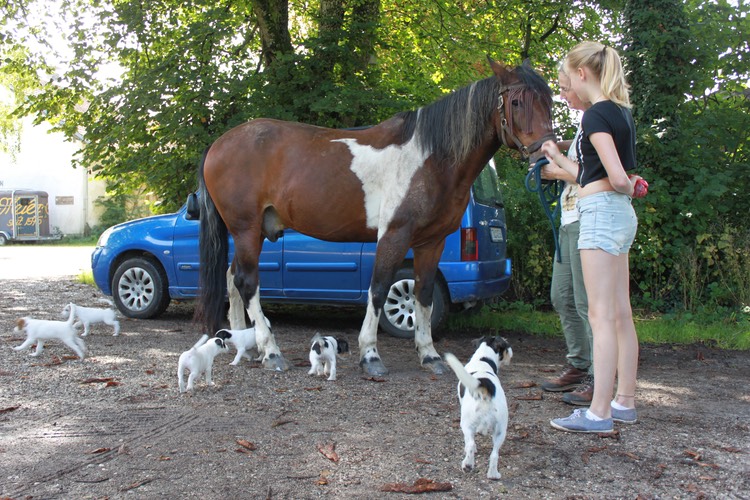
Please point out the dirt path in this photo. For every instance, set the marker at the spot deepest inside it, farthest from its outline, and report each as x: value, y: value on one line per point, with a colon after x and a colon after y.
x: 114, y: 425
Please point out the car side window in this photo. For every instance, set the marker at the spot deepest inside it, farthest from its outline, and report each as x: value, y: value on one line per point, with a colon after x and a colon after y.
x: 486, y: 187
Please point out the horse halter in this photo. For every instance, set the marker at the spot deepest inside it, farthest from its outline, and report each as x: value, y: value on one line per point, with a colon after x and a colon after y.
x: 525, y: 151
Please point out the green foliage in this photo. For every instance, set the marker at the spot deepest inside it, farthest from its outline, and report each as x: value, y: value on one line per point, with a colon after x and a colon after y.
x: 119, y: 207
x: 693, y: 151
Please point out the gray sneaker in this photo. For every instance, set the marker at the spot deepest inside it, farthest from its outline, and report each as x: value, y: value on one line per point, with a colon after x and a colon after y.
x: 629, y: 416
x: 578, y: 422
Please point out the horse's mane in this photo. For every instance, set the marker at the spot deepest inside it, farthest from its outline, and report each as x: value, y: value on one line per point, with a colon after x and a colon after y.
x: 453, y: 126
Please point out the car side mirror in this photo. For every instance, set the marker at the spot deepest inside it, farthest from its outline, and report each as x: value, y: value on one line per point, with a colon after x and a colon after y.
x: 193, y: 211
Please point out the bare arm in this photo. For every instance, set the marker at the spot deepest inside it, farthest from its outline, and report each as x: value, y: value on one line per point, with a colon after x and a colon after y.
x: 605, y: 148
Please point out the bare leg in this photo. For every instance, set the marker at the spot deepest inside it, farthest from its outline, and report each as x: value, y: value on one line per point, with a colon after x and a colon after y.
x: 615, y: 340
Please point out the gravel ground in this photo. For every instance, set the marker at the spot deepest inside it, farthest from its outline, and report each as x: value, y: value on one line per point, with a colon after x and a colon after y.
x: 115, y: 426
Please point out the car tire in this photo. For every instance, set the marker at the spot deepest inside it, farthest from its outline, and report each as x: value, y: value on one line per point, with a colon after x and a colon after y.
x: 140, y: 289
x: 397, y: 317
x: 3, y: 239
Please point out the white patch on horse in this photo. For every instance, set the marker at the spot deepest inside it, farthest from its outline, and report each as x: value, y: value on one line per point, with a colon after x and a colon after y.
x: 385, y: 175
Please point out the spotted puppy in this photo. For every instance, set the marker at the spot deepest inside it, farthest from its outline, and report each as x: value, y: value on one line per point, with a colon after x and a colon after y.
x: 199, y: 360
x: 484, y: 409
x: 323, y: 355
x: 40, y: 330
x: 244, y: 340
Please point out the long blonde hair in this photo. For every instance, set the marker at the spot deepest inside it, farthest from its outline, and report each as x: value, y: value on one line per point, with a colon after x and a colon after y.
x: 604, y: 62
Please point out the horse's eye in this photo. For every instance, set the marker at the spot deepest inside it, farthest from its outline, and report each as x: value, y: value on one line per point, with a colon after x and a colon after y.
x: 515, y: 102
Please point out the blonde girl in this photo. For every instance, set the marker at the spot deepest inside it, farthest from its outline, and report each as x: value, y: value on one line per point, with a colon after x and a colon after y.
x: 606, y: 152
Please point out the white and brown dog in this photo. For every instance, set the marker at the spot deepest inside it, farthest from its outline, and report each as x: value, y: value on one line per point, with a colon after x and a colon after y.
x: 484, y: 409
x: 243, y: 340
x: 199, y: 360
x: 41, y: 330
x: 88, y: 316
x: 323, y: 353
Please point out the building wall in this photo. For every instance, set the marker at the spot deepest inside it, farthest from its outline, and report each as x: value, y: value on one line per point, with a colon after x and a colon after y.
x: 44, y: 163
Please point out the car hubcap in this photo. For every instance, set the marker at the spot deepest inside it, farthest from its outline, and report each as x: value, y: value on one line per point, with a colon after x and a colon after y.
x: 136, y: 289
x: 399, y: 305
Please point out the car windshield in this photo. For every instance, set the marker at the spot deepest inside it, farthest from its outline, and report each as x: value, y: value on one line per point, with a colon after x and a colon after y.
x: 486, y: 189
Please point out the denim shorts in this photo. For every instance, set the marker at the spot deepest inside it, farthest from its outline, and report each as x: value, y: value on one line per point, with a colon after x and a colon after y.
x: 608, y: 222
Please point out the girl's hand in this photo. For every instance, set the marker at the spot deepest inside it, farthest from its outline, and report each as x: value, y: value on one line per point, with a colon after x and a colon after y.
x: 550, y: 150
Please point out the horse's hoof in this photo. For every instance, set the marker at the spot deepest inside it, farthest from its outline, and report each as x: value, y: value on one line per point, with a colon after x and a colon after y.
x: 275, y: 362
x: 436, y: 365
x: 373, y: 367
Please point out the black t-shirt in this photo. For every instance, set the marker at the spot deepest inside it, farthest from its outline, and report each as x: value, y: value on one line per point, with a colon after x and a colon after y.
x: 617, y: 121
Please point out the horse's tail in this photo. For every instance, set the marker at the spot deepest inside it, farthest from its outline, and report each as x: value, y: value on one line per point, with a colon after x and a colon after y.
x: 214, y: 256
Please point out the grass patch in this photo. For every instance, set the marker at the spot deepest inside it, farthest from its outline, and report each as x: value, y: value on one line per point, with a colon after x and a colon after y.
x: 86, y: 277
x: 733, y: 333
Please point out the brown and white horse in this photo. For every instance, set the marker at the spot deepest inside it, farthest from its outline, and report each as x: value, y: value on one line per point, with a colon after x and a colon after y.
x: 403, y: 183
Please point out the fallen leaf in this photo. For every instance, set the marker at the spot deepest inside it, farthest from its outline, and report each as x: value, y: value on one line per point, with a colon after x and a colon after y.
x: 421, y: 485
x: 10, y: 408
x: 374, y: 379
x: 163, y: 458
x: 730, y: 449
x: 526, y: 384
x: 135, y: 485
x: 247, y: 444
x: 150, y: 372
x: 279, y: 423
x: 99, y: 450
x: 707, y: 478
x: 610, y: 435
x: 329, y: 452
x: 422, y: 461
x: 318, y: 388
x: 97, y: 380
x: 112, y: 383
x: 692, y: 454
x: 530, y: 397
x: 704, y: 464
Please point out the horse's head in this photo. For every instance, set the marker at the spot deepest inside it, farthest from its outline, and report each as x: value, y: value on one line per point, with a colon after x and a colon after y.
x: 524, y: 108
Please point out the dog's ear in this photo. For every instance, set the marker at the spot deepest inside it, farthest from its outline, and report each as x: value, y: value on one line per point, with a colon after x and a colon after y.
x: 220, y: 343
x: 223, y: 334
x: 477, y: 342
x: 342, y: 345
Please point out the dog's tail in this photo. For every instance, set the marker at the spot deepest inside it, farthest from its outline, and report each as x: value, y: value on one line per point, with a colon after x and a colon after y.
x: 477, y: 387
x: 72, y: 315
x: 201, y: 341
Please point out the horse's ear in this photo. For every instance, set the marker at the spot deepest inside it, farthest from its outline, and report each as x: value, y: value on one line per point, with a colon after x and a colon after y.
x: 500, y: 70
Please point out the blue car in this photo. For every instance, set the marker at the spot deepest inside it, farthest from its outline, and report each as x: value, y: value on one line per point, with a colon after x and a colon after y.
x: 146, y: 263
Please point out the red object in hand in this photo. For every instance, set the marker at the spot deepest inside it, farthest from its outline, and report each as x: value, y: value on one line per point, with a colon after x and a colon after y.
x: 640, y: 189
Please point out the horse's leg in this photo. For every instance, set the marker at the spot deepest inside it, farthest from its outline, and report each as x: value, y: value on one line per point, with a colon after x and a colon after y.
x: 425, y: 267
x: 388, y: 256
x: 236, y: 306
x: 245, y: 267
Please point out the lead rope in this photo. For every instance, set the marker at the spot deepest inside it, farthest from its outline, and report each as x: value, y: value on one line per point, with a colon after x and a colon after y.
x: 549, y: 194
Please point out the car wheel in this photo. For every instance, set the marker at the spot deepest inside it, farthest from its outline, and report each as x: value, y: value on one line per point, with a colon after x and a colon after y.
x: 3, y: 239
x: 398, y: 316
x: 140, y: 289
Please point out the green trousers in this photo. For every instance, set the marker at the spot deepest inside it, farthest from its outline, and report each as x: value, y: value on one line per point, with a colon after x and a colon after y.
x: 568, y: 296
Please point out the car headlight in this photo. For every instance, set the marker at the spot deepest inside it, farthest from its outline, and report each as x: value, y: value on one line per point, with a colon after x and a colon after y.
x: 102, y: 242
